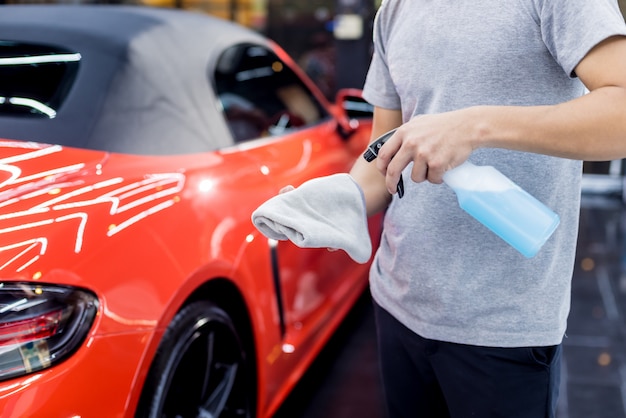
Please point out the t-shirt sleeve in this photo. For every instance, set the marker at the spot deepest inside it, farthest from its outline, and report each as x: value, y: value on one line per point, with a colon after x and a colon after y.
x: 571, y: 28
x: 379, y: 89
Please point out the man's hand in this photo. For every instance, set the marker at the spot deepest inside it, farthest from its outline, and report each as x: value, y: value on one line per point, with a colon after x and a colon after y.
x: 434, y: 143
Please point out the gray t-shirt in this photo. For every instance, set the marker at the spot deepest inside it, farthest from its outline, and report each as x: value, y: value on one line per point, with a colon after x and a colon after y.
x: 438, y: 270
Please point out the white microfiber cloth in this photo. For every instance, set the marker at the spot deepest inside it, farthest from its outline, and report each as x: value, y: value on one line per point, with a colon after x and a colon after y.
x: 324, y: 212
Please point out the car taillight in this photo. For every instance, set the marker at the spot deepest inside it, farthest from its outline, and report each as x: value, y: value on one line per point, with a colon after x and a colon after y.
x: 41, y: 325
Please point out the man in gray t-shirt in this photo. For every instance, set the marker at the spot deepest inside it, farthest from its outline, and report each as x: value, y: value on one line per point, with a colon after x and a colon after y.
x: 500, y: 84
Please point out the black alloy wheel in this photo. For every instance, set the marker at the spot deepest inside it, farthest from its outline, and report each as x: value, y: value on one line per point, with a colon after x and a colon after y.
x: 199, y: 370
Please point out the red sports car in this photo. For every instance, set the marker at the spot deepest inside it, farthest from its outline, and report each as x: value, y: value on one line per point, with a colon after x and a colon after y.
x: 137, y: 143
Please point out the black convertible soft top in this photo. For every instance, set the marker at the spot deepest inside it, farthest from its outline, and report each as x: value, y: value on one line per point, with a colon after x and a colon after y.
x: 144, y: 75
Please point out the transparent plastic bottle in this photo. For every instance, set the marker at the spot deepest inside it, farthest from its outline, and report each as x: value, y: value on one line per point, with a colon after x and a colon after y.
x: 502, y: 206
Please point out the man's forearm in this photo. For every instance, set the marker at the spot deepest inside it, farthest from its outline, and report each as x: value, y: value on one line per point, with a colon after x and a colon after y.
x: 365, y: 173
x: 591, y: 127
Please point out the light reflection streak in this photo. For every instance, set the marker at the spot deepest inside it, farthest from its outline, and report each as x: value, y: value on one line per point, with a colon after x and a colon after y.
x: 152, y: 182
x: 33, y: 104
x: 48, y: 189
x: 13, y: 305
x: 28, y: 263
x: 155, y: 196
x: 81, y: 191
x: 26, y: 226
x: 29, y: 155
x: 150, y: 195
x: 40, y: 59
x: 10, y: 389
x: 9, y: 202
x: 81, y: 228
x: 133, y: 322
x: 11, y: 169
x: 305, y: 159
x: 139, y: 217
x: 28, y: 212
x: 221, y: 230
x: 31, y: 244
x: 114, y: 202
x: 35, y: 188
x: 62, y: 170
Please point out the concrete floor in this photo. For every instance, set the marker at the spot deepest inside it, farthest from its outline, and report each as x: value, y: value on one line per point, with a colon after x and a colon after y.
x: 343, y: 383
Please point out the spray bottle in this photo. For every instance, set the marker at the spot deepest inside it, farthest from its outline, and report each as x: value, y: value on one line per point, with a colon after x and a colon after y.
x: 494, y: 200
x: 502, y: 206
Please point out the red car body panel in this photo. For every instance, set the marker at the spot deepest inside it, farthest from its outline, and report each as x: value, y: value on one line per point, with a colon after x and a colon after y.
x: 146, y: 234
x: 66, y: 211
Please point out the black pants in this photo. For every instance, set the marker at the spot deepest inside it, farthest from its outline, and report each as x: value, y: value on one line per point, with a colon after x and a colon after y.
x: 432, y: 379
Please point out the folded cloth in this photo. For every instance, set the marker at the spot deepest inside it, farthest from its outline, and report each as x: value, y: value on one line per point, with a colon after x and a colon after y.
x: 324, y: 212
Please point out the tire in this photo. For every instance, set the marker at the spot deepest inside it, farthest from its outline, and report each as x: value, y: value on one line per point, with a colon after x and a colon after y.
x: 199, y: 370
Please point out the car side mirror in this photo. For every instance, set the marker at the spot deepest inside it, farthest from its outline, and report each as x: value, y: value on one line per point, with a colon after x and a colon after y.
x: 351, y: 107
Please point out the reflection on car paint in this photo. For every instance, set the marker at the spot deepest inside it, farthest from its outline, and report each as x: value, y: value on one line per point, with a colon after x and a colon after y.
x: 154, y: 193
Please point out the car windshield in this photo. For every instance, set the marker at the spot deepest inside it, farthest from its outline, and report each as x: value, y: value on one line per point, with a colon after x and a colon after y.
x: 34, y: 79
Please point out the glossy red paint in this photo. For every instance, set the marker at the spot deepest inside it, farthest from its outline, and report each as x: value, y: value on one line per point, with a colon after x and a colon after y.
x: 144, y: 233
x: 148, y: 236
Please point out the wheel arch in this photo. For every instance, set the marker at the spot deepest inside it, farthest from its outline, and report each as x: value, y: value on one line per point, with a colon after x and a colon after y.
x: 225, y: 294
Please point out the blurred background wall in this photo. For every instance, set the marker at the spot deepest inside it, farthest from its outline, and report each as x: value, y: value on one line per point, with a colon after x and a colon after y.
x: 330, y: 39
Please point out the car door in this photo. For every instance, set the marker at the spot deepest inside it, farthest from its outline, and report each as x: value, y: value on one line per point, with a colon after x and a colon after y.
x: 279, y: 120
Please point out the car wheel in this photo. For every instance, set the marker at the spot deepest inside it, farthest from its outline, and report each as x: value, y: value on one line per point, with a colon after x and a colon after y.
x: 199, y: 369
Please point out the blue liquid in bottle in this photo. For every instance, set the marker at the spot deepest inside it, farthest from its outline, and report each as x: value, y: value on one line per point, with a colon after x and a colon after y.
x: 507, y: 210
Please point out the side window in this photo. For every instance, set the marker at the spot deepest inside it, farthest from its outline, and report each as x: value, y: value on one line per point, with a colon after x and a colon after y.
x: 260, y: 95
x: 34, y: 79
